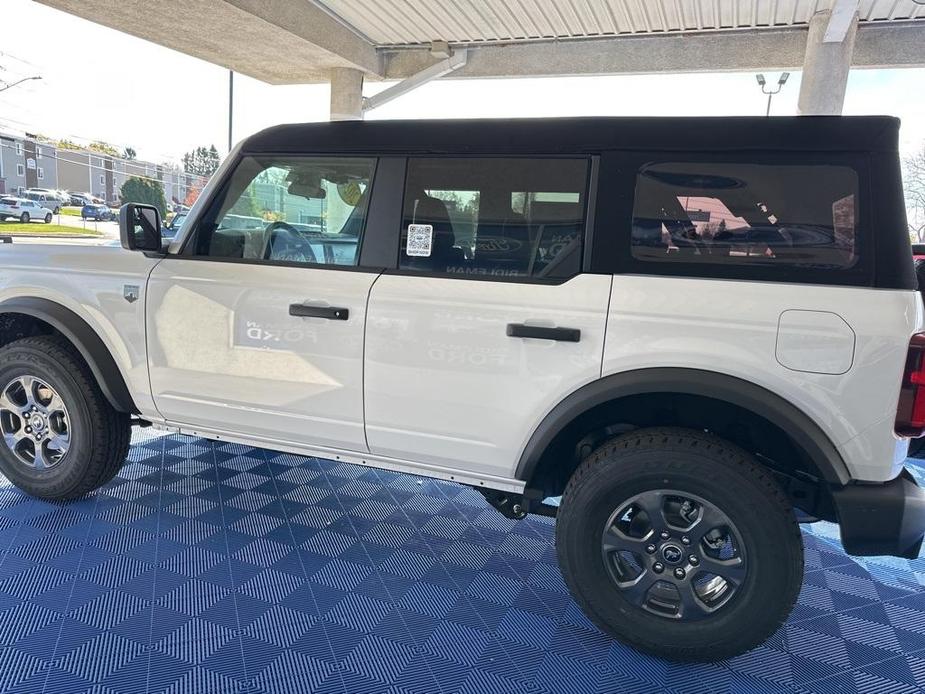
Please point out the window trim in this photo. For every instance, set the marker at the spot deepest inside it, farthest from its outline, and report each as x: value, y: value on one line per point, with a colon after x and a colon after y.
x: 589, y: 208
x: 20, y: 170
x: 613, y: 253
x: 187, y: 250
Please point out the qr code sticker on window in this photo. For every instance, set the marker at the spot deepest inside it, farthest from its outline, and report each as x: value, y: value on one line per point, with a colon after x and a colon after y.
x: 420, y: 240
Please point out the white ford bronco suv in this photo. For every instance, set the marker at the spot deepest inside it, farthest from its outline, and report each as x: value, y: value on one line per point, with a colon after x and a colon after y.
x: 697, y: 332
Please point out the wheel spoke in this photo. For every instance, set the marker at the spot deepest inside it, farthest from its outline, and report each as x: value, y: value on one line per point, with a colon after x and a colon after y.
x: 710, y: 518
x: 13, y: 438
x: 7, y: 404
x: 690, y: 606
x: 616, y: 541
x: 653, y: 503
x: 638, y: 591
x: 59, y: 441
x: 56, y: 404
x: 28, y: 385
x: 39, y: 462
x: 733, y: 570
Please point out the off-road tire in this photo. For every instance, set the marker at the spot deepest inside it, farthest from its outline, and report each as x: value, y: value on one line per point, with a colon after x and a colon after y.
x: 100, y: 435
x: 717, y: 471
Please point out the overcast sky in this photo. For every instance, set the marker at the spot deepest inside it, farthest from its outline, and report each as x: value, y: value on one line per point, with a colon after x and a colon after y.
x: 98, y: 83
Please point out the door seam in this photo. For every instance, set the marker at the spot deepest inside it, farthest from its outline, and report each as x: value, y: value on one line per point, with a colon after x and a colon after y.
x: 606, y: 325
x: 369, y: 294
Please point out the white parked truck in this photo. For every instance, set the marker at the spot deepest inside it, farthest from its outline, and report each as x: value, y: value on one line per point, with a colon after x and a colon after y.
x: 696, y: 332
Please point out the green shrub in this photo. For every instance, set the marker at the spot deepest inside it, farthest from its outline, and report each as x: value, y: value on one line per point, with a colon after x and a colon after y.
x: 144, y: 191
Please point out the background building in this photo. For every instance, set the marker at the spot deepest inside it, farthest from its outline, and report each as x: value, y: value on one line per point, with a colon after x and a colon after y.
x: 30, y: 162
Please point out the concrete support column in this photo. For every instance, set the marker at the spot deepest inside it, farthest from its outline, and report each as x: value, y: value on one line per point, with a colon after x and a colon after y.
x: 825, y: 66
x: 346, y: 94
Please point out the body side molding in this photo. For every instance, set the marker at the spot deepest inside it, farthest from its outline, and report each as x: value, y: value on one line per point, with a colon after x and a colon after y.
x: 85, y: 339
x: 803, y: 430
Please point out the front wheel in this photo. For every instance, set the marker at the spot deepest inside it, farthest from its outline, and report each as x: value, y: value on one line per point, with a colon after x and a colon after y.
x: 679, y: 544
x: 47, y: 219
x: 61, y: 437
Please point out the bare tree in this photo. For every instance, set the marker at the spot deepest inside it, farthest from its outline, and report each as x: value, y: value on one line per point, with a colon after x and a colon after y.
x: 914, y: 188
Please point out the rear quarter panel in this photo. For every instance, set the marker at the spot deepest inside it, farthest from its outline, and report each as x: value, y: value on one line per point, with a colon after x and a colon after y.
x: 734, y: 328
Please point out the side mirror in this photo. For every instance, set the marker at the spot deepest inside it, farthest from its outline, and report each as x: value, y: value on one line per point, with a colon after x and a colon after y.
x: 140, y: 227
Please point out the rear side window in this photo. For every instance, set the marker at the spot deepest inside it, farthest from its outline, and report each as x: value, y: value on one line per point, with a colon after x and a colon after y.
x: 771, y: 215
x: 494, y: 218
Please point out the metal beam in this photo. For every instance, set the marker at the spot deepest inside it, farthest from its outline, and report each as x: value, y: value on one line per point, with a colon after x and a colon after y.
x: 456, y: 61
x: 899, y: 44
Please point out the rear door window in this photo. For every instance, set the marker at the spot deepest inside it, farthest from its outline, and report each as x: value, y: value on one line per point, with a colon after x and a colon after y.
x: 774, y: 215
x: 497, y: 218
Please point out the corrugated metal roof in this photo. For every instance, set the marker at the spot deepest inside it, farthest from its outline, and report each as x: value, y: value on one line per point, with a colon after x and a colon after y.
x: 395, y: 23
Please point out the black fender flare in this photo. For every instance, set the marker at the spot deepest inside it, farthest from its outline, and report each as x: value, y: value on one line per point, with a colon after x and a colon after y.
x: 780, y: 412
x: 84, y: 338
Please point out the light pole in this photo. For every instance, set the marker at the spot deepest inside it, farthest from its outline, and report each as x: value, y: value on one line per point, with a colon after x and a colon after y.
x: 24, y: 79
x: 771, y: 92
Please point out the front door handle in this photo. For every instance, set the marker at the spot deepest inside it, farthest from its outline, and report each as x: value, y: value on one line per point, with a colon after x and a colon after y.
x: 329, y: 312
x: 540, y: 333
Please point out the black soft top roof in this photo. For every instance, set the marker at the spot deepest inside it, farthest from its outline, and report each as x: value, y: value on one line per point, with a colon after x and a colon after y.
x: 571, y: 135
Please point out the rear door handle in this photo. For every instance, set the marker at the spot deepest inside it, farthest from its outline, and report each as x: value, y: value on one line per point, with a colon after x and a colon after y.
x: 329, y: 312
x: 540, y: 333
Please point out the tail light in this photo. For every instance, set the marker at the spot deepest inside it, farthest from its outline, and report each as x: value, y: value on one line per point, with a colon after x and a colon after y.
x: 910, y: 411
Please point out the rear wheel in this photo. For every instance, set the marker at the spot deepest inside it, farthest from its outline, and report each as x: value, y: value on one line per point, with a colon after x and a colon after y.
x: 24, y: 218
x: 679, y: 544
x: 61, y: 437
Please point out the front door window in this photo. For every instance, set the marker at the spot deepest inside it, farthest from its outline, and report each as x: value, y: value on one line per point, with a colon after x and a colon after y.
x: 303, y: 210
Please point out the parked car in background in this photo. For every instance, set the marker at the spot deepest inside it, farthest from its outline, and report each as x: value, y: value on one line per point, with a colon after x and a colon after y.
x: 171, y: 228
x: 56, y: 195
x: 46, y: 197
x: 23, y: 209
x: 81, y: 199
x: 100, y: 213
